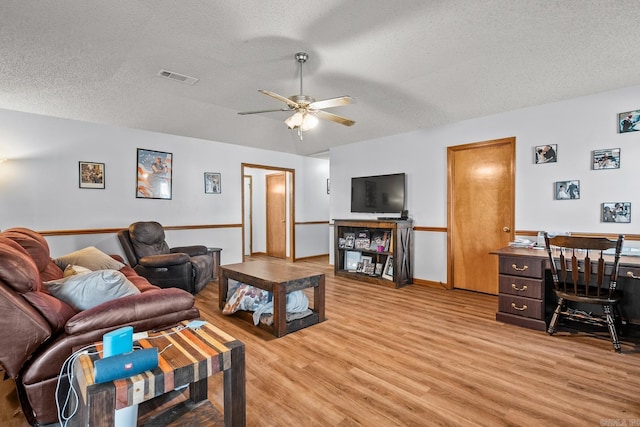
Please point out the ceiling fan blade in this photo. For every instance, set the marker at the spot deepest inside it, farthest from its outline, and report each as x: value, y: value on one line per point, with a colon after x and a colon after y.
x: 287, y: 101
x: 330, y: 103
x: 334, y: 118
x: 244, y: 113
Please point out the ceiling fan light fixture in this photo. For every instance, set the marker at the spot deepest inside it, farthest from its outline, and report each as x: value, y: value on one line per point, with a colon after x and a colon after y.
x: 309, y: 122
x: 295, y: 120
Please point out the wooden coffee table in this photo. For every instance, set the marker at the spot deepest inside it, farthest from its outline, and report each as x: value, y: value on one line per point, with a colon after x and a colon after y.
x: 279, y: 279
x: 189, y: 358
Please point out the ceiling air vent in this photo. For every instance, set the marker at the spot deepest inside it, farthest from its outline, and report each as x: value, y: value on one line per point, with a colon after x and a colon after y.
x: 177, y: 77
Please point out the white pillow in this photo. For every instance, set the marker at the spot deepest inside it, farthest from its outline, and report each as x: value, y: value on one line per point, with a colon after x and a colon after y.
x: 84, y: 291
x: 91, y: 258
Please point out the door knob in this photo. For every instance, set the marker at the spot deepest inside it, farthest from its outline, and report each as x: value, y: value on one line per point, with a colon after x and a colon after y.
x: 506, y: 229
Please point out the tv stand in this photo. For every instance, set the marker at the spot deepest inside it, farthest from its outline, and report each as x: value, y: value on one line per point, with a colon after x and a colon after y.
x: 394, y: 257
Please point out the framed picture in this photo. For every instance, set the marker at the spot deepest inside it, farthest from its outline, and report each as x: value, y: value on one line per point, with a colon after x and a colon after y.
x: 212, y: 183
x: 628, y: 121
x: 387, y: 271
x: 606, y: 159
x: 546, y: 154
x: 616, y: 212
x: 91, y: 175
x: 366, y: 259
x: 155, y: 169
x: 351, y: 260
x: 567, y: 190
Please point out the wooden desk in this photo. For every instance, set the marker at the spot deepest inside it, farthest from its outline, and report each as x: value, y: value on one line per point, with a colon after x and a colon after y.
x: 279, y: 279
x: 524, y: 285
x: 193, y: 356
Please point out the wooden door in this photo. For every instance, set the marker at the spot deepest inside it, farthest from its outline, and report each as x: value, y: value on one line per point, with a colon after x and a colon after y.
x: 276, y: 215
x: 481, y: 205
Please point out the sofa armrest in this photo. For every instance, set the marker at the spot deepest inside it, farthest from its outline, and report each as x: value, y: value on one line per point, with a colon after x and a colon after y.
x: 164, y: 260
x: 193, y: 250
x: 129, y: 309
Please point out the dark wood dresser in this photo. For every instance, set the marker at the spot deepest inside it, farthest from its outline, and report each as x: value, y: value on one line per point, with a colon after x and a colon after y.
x: 521, y: 287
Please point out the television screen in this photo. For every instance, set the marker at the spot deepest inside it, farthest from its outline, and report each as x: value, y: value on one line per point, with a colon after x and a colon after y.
x: 378, y: 194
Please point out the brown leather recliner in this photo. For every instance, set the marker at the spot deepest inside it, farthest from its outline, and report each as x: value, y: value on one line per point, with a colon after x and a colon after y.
x: 186, y: 267
x: 38, y: 332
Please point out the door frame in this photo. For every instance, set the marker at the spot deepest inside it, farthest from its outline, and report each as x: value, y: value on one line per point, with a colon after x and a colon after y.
x: 450, y: 188
x: 248, y: 178
x: 290, y: 195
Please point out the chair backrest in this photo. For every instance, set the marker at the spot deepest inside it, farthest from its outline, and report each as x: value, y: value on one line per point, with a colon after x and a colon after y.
x: 142, y: 239
x: 578, y: 264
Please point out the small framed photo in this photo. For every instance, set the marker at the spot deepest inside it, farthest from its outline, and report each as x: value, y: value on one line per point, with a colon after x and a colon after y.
x: 616, y: 212
x: 567, y: 190
x: 366, y: 259
x: 606, y: 159
x: 387, y: 271
x: 378, y: 269
x: 212, y: 183
x: 91, y: 175
x: 546, y: 153
x: 628, y: 121
x: 351, y: 260
x: 155, y: 169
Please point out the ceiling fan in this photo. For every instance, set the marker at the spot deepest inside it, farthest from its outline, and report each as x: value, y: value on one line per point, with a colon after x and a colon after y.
x: 306, y: 109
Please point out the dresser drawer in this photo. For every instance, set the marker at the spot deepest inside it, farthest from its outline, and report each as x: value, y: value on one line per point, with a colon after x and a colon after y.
x: 521, y: 306
x: 521, y: 286
x: 522, y: 266
x: 628, y: 272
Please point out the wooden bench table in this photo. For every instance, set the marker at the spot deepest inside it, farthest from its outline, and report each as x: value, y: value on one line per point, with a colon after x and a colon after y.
x: 279, y: 279
x: 189, y: 358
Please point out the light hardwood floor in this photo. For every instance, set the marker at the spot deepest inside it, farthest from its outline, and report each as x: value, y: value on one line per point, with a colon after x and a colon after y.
x: 420, y: 356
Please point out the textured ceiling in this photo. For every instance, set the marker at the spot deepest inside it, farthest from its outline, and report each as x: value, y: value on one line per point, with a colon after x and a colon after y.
x: 409, y: 64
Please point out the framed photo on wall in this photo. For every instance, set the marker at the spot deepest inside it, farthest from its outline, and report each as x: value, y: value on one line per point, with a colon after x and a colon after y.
x: 91, y: 175
x: 628, y: 121
x: 212, y: 183
x: 616, y: 212
x: 155, y: 169
x: 546, y: 153
x: 567, y: 190
x: 606, y: 159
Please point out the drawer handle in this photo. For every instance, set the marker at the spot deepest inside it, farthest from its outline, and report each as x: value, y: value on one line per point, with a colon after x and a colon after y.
x: 523, y: 308
x: 515, y: 267
x: 633, y: 276
x: 523, y: 288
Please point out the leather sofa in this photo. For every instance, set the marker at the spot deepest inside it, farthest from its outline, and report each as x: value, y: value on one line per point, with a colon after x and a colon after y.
x: 38, y: 332
x: 186, y: 267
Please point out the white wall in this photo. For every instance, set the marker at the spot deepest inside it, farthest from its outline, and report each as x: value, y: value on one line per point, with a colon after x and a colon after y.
x: 577, y: 126
x: 39, y: 183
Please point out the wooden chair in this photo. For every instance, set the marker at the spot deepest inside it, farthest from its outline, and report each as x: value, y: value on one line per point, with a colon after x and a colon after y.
x: 580, y: 275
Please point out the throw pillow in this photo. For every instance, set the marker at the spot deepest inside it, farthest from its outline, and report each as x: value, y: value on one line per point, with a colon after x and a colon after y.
x: 72, y: 270
x: 246, y: 297
x: 91, y: 258
x: 84, y: 291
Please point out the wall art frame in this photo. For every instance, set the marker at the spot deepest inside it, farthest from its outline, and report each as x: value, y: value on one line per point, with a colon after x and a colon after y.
x: 91, y: 175
x: 212, y: 183
x: 607, y: 158
x: 567, y: 190
x: 619, y: 212
x: 629, y: 121
x: 545, y: 153
x: 154, y: 174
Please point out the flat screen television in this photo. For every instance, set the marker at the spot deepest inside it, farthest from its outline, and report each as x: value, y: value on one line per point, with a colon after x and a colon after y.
x: 378, y: 194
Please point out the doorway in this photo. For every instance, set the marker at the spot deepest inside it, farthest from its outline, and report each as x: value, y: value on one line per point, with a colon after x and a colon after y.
x: 481, y: 211
x: 268, y: 203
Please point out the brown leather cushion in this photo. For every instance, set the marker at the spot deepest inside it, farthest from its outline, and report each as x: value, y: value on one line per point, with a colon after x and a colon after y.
x: 56, y: 311
x: 34, y: 244
x: 147, y: 238
x: 17, y: 269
